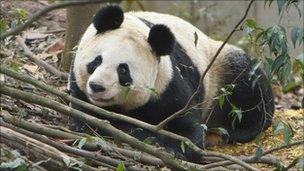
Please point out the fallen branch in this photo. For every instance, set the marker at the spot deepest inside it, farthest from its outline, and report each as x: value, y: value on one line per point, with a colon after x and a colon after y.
x: 71, y: 137
x: 47, y: 9
x: 39, y: 62
x: 40, y: 150
x: 120, y: 117
x: 67, y: 149
x: 200, y: 84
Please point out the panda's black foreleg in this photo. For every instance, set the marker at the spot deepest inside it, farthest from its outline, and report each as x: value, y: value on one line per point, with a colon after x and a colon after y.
x: 188, y: 125
x: 73, y: 123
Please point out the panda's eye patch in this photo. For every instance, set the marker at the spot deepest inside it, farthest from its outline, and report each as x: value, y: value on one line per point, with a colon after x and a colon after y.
x: 94, y: 64
x: 124, y: 74
x: 122, y: 69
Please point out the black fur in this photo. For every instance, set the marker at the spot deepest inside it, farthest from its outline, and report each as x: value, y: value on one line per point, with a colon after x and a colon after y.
x: 108, y: 18
x: 94, y: 64
x: 124, y: 75
x: 161, y: 40
x: 75, y: 124
x: 257, y: 116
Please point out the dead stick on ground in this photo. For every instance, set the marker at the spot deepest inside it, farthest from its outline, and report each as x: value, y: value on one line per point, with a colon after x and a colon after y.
x: 35, y: 147
x: 40, y: 129
x: 113, y: 115
x: 67, y: 149
x: 176, y: 114
x: 39, y: 62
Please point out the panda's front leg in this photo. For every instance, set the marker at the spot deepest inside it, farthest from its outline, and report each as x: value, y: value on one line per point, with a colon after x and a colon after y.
x: 188, y: 125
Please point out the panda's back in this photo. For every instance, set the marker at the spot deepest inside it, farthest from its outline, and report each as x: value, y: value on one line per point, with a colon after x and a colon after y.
x: 199, y: 51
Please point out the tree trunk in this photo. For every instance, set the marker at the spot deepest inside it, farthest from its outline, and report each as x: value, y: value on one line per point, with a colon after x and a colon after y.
x: 78, y: 19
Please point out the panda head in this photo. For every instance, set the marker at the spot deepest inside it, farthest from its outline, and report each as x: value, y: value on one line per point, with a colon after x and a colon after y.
x: 117, y: 62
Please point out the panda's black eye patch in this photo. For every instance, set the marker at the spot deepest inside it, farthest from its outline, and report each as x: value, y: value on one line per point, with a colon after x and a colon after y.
x: 94, y: 64
x: 124, y: 74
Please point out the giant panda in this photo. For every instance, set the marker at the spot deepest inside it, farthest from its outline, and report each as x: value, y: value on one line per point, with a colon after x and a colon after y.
x: 154, y: 58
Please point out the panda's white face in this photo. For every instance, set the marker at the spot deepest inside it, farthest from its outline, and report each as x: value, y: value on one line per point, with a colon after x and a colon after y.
x: 116, y: 69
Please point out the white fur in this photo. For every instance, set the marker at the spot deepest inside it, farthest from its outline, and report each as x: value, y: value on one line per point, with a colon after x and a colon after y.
x: 128, y: 44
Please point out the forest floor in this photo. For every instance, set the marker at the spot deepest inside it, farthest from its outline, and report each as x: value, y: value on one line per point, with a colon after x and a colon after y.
x: 46, y: 40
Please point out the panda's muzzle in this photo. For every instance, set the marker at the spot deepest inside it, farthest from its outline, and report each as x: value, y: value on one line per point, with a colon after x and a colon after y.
x: 96, y: 87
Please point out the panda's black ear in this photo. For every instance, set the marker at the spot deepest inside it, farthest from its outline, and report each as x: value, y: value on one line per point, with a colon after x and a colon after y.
x: 108, y: 18
x: 161, y: 39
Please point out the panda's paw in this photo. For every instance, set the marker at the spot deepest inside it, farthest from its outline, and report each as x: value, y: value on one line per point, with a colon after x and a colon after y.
x: 214, y: 139
x: 76, y: 125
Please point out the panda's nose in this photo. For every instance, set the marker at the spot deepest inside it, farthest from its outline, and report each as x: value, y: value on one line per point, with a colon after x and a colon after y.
x: 96, y: 87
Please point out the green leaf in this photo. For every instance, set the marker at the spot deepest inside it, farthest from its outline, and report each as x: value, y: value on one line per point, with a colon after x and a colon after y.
x: 81, y: 143
x: 249, y: 26
x: 300, y: 163
x: 66, y: 160
x: 278, y: 127
x: 287, y: 135
x: 154, y: 91
x: 255, y: 63
x: 183, y: 147
x: 12, y: 164
x: 195, y: 38
x: 22, y: 167
x: 3, y: 25
x: 121, y: 167
x: 251, y: 23
x: 15, y: 66
x: 221, y: 101
x: 278, y: 62
x: 267, y: 67
x: 294, y: 35
x: 236, y: 113
x: 267, y: 1
x: 21, y: 14
x: 258, y: 153
x: 126, y: 90
x: 149, y: 140
x: 219, y: 130
x: 101, y: 143
x: 281, y: 4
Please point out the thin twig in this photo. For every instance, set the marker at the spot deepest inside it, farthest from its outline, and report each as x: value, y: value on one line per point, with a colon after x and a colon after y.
x: 45, y: 10
x: 28, y: 53
x: 176, y: 114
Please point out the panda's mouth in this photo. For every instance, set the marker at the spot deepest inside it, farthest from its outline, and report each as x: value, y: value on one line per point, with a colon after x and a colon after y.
x: 100, y: 99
